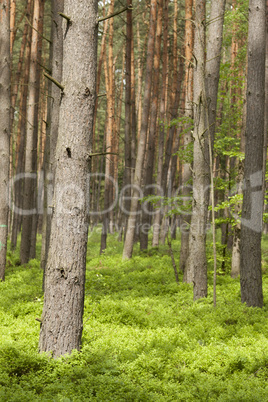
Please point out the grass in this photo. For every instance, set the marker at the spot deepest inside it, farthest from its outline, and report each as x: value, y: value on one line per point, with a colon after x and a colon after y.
x: 144, y: 338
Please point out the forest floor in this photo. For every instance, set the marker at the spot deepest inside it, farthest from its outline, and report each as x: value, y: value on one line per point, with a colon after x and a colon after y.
x: 144, y: 338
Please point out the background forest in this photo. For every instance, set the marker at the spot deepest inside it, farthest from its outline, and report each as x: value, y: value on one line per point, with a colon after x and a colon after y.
x: 134, y: 240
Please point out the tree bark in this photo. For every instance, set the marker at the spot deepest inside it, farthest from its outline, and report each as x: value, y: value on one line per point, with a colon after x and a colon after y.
x: 187, y: 138
x: 30, y: 175
x: 53, y: 119
x: 128, y: 105
x: 129, y: 240
x: 109, y: 79
x: 4, y: 129
x: 149, y: 165
x: 162, y: 118
x: 20, y: 146
x: 197, y: 262
x: 206, y: 78
x: 36, y: 125
x: 251, y: 222
x: 62, y: 319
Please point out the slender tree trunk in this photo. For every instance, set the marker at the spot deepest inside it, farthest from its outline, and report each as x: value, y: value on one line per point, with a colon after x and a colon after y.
x: 95, y: 161
x: 56, y: 57
x: 20, y: 146
x: 149, y: 165
x: 187, y: 138
x: 127, y: 171
x: 251, y: 222
x: 129, y: 240
x: 197, y: 262
x: 206, y: 78
x: 162, y: 117
x: 12, y: 17
x: 236, y: 249
x: 4, y: 129
x: 36, y: 126
x: 109, y: 79
x: 62, y: 319
x: 30, y: 176
x: 133, y: 111
x: 12, y: 24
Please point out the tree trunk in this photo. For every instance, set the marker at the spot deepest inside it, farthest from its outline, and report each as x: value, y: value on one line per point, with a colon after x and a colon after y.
x: 162, y: 118
x: 62, y: 319
x: 197, y: 262
x: 36, y: 126
x: 53, y: 123
x: 128, y: 67
x: 205, y: 106
x: 149, y: 165
x: 129, y: 240
x: 187, y: 138
x: 30, y: 175
x: 109, y: 79
x: 20, y: 145
x: 4, y: 129
x: 251, y: 222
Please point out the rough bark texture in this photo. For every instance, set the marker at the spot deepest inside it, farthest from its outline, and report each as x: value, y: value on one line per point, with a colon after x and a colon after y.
x: 4, y: 129
x: 62, y: 323
x: 129, y: 240
x: 149, y: 164
x: 206, y: 78
x: 109, y: 81
x: 251, y: 223
x: 127, y: 172
x: 29, y: 180
x: 187, y: 138
x: 36, y: 125
x: 197, y: 262
x: 236, y: 250
x: 21, y: 137
x: 53, y: 126
x: 214, y: 46
x: 162, y: 117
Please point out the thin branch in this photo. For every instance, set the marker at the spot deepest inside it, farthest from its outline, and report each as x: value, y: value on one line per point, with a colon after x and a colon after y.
x: 66, y: 17
x: 54, y: 81
x: 102, y: 153
x: 114, y: 14
x: 42, y: 36
x: 44, y: 67
x: 22, y: 115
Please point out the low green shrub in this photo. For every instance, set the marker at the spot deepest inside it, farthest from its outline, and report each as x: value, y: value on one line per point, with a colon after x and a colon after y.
x: 144, y: 338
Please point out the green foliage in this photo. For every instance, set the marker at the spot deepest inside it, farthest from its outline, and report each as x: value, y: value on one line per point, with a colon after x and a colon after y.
x: 144, y: 338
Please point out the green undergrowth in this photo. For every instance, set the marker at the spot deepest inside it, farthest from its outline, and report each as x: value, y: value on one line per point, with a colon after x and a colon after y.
x: 144, y: 338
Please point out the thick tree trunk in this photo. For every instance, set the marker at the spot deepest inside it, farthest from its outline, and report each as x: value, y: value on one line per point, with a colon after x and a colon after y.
x: 62, y: 319
x: 4, y: 129
x: 129, y: 240
x: 251, y: 222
